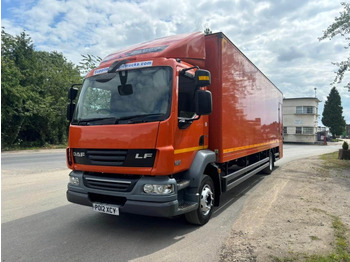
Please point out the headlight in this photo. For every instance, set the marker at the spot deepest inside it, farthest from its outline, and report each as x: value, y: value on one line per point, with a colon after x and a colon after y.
x: 148, y: 188
x: 158, y: 189
x: 74, y: 180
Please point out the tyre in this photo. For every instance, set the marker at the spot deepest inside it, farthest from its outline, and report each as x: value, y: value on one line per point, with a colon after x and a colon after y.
x: 206, y: 203
x: 268, y: 170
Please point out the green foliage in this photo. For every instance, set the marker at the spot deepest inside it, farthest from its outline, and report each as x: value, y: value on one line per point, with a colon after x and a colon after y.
x: 34, y: 93
x: 88, y: 63
x: 345, y: 145
x: 341, y: 27
x: 207, y: 31
x: 332, y: 115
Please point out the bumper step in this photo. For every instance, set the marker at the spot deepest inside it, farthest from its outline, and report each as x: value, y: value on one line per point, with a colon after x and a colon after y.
x: 182, y: 184
x: 186, y: 207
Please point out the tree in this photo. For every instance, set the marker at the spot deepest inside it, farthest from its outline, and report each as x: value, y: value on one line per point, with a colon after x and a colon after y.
x: 207, y: 31
x: 332, y: 115
x: 16, y: 65
x: 88, y: 63
x: 341, y: 26
x: 34, y: 93
x: 54, y: 75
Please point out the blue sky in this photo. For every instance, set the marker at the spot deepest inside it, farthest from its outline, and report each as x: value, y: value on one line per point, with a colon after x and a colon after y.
x: 280, y: 37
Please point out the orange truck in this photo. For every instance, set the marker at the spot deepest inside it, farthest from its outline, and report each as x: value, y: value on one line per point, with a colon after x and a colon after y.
x: 165, y: 127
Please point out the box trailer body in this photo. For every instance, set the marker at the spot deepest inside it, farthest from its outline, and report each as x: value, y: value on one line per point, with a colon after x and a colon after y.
x: 247, y: 111
x: 143, y: 138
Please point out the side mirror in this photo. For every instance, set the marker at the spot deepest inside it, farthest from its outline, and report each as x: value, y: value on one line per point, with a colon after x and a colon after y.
x: 70, y: 111
x: 72, y: 93
x: 202, y: 78
x: 203, y: 102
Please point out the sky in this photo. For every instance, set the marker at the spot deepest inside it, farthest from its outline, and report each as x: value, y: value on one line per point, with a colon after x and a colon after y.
x: 279, y: 37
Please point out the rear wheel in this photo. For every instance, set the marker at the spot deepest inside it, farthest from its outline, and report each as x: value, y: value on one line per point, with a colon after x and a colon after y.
x: 206, y: 203
x: 268, y: 170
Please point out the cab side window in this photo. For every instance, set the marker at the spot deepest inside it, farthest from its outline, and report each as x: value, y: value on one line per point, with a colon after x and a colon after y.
x: 186, y: 107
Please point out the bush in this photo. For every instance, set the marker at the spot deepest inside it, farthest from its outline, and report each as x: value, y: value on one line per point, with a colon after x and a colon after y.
x: 345, y: 145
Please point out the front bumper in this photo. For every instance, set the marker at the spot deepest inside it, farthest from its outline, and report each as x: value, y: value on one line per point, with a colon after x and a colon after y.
x: 167, y: 209
x: 135, y: 201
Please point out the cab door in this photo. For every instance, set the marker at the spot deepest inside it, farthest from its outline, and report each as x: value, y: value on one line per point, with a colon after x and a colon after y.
x: 191, y: 132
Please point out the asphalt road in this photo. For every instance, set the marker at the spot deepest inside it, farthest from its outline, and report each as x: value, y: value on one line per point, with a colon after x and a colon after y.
x: 34, y: 161
x: 38, y: 224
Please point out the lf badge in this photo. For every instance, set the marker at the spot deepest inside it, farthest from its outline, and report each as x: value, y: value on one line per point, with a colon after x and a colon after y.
x: 144, y: 156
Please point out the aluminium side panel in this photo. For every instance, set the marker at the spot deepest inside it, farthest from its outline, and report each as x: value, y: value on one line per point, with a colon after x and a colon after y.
x: 246, y: 116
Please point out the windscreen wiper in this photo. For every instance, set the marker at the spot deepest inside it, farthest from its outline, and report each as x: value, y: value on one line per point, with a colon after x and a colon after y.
x: 97, y: 121
x: 138, y: 118
x: 113, y: 120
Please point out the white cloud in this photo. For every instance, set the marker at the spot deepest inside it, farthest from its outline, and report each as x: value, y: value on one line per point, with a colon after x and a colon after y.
x: 261, y: 7
x: 280, y: 37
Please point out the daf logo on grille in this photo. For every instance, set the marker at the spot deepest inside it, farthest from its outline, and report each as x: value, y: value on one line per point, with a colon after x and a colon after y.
x: 143, y: 156
x: 79, y: 154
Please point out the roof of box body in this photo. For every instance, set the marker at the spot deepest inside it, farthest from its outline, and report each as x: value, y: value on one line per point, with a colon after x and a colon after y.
x: 187, y: 47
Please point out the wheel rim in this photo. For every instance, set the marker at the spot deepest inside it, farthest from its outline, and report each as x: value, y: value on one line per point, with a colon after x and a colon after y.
x: 207, y: 200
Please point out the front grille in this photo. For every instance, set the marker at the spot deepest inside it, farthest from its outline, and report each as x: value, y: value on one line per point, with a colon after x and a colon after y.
x: 111, y: 182
x: 115, y: 157
x: 107, y: 157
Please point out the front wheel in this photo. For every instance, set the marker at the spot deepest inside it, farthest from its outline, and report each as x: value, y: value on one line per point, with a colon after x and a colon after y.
x: 206, y: 203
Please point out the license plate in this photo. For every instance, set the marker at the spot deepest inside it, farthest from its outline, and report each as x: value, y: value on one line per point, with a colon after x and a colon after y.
x: 104, y: 208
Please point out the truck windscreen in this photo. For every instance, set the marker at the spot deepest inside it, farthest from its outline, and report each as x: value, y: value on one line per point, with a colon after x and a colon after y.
x: 138, y: 95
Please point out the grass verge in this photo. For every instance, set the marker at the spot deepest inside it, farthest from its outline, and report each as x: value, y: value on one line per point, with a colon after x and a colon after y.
x: 342, y: 247
x: 341, y: 252
x: 331, y: 161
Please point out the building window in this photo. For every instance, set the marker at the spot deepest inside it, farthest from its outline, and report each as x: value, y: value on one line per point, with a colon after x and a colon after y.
x: 308, y: 130
x: 284, y: 130
x: 305, y: 110
x: 304, y: 130
x: 309, y: 110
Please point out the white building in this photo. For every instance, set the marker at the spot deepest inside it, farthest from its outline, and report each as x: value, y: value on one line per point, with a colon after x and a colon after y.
x: 300, y: 119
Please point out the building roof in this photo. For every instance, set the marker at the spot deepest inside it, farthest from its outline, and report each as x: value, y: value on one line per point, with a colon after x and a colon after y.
x: 299, y: 98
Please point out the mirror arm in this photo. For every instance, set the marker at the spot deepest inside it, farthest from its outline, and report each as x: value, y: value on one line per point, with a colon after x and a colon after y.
x: 76, y: 85
x: 184, y: 123
x: 183, y: 71
x: 197, y: 118
x: 116, y: 65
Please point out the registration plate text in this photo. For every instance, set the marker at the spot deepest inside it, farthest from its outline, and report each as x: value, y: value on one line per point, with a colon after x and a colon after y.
x: 107, y: 209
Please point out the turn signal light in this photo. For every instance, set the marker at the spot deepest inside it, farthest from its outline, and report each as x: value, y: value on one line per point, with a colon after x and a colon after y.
x: 69, y: 156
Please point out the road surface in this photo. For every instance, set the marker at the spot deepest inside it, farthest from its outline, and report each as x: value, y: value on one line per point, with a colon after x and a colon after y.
x: 38, y: 224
